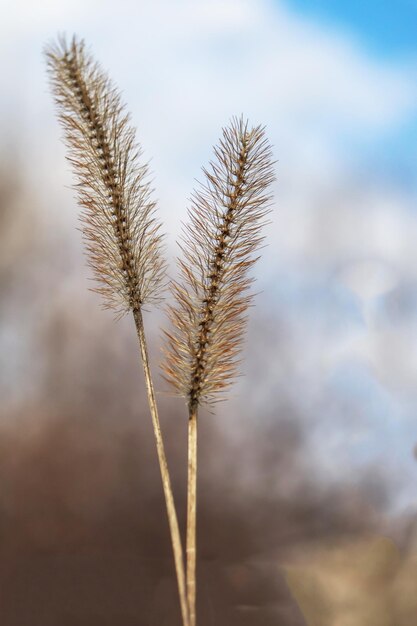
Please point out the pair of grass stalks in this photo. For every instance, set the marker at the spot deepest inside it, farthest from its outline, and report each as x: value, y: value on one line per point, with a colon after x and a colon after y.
x: 124, y: 243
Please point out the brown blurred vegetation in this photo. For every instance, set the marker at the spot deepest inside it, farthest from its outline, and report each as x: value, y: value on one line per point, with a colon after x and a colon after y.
x: 83, y: 535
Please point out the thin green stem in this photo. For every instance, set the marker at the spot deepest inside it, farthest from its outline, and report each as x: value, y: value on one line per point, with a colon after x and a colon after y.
x: 166, y: 481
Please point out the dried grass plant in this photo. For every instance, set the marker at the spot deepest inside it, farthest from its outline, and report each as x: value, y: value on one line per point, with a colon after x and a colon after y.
x: 212, y: 296
x: 124, y: 245
x: 120, y: 227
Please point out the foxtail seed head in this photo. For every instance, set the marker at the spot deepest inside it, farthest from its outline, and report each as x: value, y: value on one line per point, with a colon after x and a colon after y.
x: 218, y: 245
x: 122, y: 234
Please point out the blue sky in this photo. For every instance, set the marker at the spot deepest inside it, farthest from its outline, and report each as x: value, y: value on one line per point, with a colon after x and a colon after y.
x: 388, y: 29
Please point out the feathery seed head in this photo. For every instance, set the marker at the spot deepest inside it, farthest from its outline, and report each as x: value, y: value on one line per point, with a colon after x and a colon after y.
x: 218, y: 244
x: 122, y: 234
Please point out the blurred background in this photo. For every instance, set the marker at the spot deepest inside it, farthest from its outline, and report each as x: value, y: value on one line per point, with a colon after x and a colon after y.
x: 307, y: 492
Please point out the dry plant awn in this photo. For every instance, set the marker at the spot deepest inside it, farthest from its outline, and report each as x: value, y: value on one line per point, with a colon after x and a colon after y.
x: 119, y: 224
x: 211, y: 299
x: 123, y: 239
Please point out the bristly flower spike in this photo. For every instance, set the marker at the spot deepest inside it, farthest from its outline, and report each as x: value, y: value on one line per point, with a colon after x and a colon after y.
x: 122, y: 234
x: 212, y: 296
x: 218, y: 245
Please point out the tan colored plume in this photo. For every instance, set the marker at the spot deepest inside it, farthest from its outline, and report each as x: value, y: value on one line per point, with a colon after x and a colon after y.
x: 218, y: 246
x: 122, y: 234
x: 212, y: 296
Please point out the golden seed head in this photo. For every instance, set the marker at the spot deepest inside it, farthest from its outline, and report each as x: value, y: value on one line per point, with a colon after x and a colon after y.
x: 211, y: 297
x: 122, y: 237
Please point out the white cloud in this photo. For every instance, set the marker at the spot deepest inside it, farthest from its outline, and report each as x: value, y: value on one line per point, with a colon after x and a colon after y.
x: 187, y: 66
x: 198, y: 62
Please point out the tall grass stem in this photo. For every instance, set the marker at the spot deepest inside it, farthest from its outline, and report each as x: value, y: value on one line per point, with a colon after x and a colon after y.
x: 166, y: 481
x: 191, y: 547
